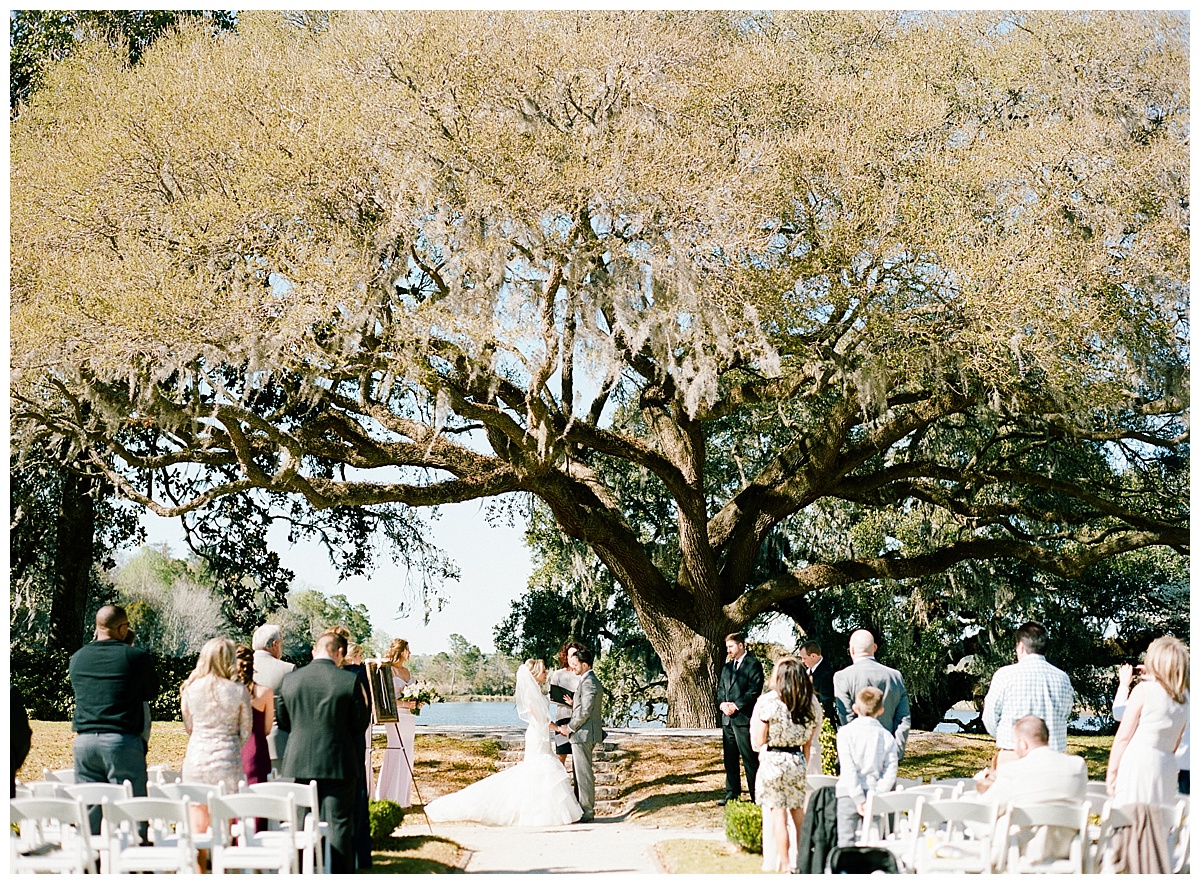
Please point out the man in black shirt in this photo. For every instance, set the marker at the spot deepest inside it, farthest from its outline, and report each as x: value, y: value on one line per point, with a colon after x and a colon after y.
x: 111, y: 681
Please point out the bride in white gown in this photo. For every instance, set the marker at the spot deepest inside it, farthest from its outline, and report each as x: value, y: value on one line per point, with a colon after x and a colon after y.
x: 535, y: 792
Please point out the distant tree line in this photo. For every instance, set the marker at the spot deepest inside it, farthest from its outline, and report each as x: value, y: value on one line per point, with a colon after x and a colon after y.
x: 465, y: 670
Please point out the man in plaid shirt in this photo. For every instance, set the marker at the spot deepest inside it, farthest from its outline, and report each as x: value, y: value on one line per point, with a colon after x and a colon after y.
x: 1031, y: 686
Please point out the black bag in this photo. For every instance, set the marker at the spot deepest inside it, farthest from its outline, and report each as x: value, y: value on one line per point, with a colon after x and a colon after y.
x: 861, y: 861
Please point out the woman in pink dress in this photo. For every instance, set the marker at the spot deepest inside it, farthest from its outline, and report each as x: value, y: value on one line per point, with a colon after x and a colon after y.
x: 256, y: 758
x: 395, y: 774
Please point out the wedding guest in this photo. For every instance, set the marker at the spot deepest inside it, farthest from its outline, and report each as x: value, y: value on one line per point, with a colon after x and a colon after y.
x: 869, y: 760
x: 362, y: 798
x: 395, y: 773
x: 1141, y: 763
x: 111, y: 682
x: 20, y: 736
x: 269, y: 670
x: 218, y: 718
x: 325, y: 714
x: 1040, y: 774
x: 1183, y: 755
x: 256, y: 758
x: 565, y: 679
x: 784, y: 723
x: 1031, y: 686
x: 866, y: 671
x: 738, y: 689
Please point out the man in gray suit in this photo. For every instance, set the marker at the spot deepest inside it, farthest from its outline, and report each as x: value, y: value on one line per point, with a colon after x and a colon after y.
x: 864, y: 671
x: 269, y: 671
x: 585, y: 730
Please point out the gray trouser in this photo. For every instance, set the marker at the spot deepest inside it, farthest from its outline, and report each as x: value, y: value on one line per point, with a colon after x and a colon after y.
x: 110, y: 758
x: 585, y: 777
x: 848, y: 821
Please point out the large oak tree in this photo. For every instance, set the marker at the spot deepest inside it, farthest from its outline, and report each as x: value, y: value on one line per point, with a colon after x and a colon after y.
x: 928, y: 264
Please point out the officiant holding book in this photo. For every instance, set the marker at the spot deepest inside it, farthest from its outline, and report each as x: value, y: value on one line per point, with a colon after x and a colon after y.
x: 563, y: 684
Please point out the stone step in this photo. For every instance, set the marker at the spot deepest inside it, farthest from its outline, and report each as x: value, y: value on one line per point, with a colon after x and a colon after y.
x: 607, y: 793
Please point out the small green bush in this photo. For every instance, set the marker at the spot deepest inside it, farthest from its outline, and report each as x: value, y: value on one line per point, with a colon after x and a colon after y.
x: 386, y: 816
x: 828, y: 738
x: 743, y: 825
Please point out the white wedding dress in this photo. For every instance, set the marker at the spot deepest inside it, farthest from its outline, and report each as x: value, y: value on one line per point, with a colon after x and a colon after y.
x: 535, y: 792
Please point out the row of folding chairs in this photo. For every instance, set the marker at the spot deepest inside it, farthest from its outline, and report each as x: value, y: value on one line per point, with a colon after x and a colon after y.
x: 929, y: 832
x: 55, y: 830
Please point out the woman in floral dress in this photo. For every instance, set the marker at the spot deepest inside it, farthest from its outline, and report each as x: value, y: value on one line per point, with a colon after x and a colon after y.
x: 783, y: 727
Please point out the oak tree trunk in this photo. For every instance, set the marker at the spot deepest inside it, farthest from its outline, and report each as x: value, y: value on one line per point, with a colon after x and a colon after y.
x: 692, y: 661
x: 74, y: 548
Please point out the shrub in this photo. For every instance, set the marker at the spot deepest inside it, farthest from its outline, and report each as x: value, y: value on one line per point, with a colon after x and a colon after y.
x: 743, y: 825
x: 386, y: 816
x: 828, y: 738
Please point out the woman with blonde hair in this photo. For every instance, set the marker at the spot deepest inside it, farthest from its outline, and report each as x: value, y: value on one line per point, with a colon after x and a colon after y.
x: 395, y: 773
x: 218, y: 718
x: 535, y: 792
x: 783, y: 727
x: 1141, y: 764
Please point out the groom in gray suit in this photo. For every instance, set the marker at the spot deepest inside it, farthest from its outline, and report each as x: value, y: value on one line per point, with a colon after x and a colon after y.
x: 585, y: 730
x: 865, y: 671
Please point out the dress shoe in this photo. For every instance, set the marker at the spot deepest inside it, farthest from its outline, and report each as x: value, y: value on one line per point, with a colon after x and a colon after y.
x: 726, y: 800
x: 587, y: 818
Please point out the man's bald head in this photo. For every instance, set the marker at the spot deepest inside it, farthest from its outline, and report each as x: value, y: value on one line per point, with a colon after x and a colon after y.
x: 111, y: 616
x: 1030, y: 733
x: 111, y: 622
x: 862, y: 643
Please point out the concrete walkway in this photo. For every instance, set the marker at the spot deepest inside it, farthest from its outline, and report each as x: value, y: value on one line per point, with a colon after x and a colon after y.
x: 604, y: 846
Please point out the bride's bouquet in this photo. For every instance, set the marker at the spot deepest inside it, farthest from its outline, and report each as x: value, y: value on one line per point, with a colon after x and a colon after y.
x: 419, y: 695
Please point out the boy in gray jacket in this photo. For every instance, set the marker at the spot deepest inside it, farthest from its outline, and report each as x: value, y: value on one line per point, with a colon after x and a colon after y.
x: 869, y: 759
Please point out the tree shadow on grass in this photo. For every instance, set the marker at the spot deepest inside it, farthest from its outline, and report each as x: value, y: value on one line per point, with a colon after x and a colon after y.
x: 417, y: 855
x: 652, y: 803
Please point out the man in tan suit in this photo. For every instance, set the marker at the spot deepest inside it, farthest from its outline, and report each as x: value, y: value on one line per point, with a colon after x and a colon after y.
x: 1040, y: 775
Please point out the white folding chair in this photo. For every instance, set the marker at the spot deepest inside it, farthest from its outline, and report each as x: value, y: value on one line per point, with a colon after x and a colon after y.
x: 161, y: 773
x: 1175, y: 824
x: 936, y: 792
x: 247, y: 851
x: 312, y: 839
x: 191, y: 793
x: 46, y: 789
x: 55, y: 836
x: 1022, y: 826
x: 1097, y: 792
x: 954, y: 836
x: 816, y: 781
x: 1112, y: 819
x: 169, y: 832
x: 888, y: 821
x: 62, y: 775
x: 905, y: 783
x: 93, y: 795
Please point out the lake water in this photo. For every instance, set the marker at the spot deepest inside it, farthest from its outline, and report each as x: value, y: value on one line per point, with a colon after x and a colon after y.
x: 484, y: 713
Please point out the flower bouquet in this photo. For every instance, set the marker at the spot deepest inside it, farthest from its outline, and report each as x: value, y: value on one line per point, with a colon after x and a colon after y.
x: 417, y: 694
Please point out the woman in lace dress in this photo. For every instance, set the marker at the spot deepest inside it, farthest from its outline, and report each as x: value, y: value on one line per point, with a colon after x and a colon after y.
x: 218, y: 719
x: 1141, y: 764
x: 395, y: 773
x: 782, y: 729
x: 535, y: 792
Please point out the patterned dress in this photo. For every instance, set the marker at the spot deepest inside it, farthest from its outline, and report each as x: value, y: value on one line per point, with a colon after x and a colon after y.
x: 217, y: 715
x: 781, y: 775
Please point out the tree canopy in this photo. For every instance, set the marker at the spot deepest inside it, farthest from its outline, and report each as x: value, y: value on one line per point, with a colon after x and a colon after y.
x: 931, y: 267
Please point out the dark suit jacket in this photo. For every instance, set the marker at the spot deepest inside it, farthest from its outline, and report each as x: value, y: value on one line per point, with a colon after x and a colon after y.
x: 742, y: 687
x: 822, y: 679
x: 325, y: 714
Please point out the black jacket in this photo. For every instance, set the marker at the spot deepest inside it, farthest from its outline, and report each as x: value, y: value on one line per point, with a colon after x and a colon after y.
x: 742, y: 687
x: 324, y: 710
x: 822, y: 679
x: 818, y: 832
